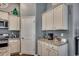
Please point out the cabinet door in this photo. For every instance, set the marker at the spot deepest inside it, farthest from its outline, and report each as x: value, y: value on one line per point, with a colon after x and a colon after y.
x: 44, y: 49
x: 18, y: 23
x: 44, y: 17
x: 60, y: 17
x: 14, y: 45
x: 3, y: 15
x: 49, y: 20
x: 4, y: 51
x: 52, y: 52
x: 39, y: 48
x: 14, y: 23
x: 63, y: 50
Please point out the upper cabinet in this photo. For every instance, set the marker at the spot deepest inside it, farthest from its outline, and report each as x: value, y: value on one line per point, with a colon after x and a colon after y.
x: 56, y: 19
x: 47, y: 20
x: 44, y: 21
x: 61, y: 17
x: 14, y: 22
x: 3, y: 15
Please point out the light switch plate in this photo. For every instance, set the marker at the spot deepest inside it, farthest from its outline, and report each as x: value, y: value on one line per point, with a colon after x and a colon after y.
x: 62, y: 34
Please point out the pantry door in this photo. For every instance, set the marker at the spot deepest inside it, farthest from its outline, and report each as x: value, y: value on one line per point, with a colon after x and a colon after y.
x: 28, y: 35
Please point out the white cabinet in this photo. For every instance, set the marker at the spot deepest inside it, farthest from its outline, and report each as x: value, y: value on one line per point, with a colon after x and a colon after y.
x: 44, y: 49
x: 39, y: 48
x: 4, y: 51
x: 44, y: 21
x: 61, y: 17
x: 14, y: 22
x: 56, y: 19
x: 47, y: 20
x: 3, y: 15
x: 14, y: 45
x: 47, y: 49
x: 53, y: 50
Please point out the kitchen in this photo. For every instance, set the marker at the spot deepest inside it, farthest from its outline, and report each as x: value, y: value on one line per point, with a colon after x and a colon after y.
x: 42, y: 29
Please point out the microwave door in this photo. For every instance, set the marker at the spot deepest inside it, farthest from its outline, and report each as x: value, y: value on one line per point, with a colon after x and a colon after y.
x: 1, y: 24
x: 6, y: 24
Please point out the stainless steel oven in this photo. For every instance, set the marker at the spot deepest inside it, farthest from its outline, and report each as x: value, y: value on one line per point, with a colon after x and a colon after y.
x: 4, y: 40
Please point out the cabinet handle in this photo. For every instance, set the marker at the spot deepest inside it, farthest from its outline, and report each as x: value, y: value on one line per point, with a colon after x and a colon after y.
x: 52, y: 47
x: 22, y: 37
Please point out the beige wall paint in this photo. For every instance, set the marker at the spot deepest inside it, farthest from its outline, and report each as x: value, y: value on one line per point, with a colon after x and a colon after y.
x: 10, y: 7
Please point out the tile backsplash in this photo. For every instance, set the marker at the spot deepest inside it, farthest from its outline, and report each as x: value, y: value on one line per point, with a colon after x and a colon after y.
x: 57, y: 33
x: 2, y: 31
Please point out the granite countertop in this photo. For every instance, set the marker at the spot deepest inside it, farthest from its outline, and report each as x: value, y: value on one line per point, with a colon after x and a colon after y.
x: 13, y: 38
x: 52, y: 42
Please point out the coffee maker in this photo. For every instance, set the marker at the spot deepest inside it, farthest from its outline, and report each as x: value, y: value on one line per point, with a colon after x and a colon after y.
x: 50, y: 36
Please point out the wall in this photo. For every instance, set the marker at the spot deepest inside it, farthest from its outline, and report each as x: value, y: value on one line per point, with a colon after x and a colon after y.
x: 28, y: 9
x: 10, y: 7
x: 40, y: 8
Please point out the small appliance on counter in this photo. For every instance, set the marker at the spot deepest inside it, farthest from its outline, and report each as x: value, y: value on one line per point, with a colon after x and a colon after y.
x: 12, y: 35
x: 59, y: 41
x: 50, y: 36
x: 4, y: 40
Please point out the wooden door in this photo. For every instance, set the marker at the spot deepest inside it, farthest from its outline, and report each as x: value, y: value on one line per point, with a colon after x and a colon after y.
x: 28, y: 35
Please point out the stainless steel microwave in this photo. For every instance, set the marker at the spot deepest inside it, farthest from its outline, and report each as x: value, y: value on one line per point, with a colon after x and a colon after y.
x: 3, y: 24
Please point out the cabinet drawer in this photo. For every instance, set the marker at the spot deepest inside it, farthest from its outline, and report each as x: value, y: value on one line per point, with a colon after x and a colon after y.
x: 14, y: 46
x: 51, y: 46
x: 3, y: 15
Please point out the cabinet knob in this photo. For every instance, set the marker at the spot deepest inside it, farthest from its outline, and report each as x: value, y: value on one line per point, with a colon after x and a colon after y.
x: 22, y: 37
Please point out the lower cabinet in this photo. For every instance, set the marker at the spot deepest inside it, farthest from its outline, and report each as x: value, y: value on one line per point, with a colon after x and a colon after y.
x: 47, y: 49
x: 14, y: 45
x: 14, y: 23
x: 52, y: 52
x: 39, y: 48
x: 4, y: 51
x: 44, y: 49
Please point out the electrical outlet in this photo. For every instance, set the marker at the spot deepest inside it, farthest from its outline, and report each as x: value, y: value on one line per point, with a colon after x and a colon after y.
x: 62, y: 34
